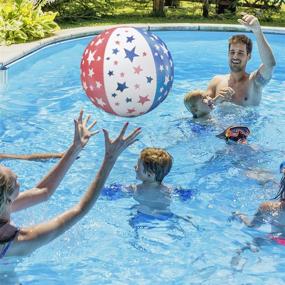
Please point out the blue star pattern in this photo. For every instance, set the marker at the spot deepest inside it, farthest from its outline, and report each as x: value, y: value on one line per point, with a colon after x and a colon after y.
x: 130, y: 54
x: 115, y: 51
x: 130, y: 39
x: 149, y: 79
x: 122, y: 86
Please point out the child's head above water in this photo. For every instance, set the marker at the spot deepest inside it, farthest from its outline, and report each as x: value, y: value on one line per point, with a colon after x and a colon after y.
x: 153, y: 164
x: 198, y: 103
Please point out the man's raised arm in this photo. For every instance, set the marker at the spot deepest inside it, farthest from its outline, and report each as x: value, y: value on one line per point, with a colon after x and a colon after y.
x: 265, y: 51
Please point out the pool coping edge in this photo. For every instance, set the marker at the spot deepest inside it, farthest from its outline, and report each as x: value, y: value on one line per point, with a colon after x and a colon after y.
x: 12, y: 53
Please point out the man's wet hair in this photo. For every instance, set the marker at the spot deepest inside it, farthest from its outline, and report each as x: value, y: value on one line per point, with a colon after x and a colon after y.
x: 236, y: 39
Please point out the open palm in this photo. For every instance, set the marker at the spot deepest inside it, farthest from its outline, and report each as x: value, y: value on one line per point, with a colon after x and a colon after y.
x: 82, y: 133
x: 113, y: 148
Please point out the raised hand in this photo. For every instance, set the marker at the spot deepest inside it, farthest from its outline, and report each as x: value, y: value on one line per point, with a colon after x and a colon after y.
x: 113, y: 148
x: 49, y: 183
x: 250, y: 21
x: 82, y: 133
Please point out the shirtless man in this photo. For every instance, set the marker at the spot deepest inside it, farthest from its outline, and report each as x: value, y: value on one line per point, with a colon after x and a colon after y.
x: 244, y: 88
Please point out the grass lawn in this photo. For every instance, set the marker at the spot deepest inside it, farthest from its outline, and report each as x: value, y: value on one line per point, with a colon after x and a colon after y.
x: 187, y: 13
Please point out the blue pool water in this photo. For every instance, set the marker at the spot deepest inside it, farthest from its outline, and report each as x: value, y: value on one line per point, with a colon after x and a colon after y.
x: 113, y: 244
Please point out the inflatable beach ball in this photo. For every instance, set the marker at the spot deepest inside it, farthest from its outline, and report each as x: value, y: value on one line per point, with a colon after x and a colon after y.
x: 126, y: 71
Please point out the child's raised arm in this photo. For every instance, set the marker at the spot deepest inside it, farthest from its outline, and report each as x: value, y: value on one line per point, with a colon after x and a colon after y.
x: 31, y: 238
x: 47, y: 186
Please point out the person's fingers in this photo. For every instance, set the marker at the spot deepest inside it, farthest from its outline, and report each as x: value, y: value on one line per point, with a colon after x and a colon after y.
x: 226, y: 91
x: 131, y: 142
x: 242, y: 22
x: 251, y: 19
x: 251, y: 22
x: 123, y: 131
x: 211, y: 103
x: 106, y: 136
x: 94, y: 133
x: 92, y: 125
x: 80, y: 117
x: 86, y: 120
x: 246, y: 18
x: 134, y: 134
x: 75, y: 127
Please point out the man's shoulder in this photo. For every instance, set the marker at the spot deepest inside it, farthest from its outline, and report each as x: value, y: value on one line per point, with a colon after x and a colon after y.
x: 218, y: 78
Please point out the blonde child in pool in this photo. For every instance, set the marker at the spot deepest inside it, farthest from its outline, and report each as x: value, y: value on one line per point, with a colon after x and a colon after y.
x: 200, y: 105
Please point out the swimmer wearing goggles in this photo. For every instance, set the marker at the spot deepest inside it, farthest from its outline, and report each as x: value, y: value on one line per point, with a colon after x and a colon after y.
x: 237, y: 134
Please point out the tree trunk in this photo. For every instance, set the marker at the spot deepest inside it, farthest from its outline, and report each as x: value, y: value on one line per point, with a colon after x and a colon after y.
x: 158, y: 8
x: 172, y: 3
x: 223, y: 5
x: 205, y: 8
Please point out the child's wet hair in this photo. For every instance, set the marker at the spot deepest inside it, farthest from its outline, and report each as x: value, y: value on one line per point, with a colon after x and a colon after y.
x: 157, y: 161
x: 193, y: 97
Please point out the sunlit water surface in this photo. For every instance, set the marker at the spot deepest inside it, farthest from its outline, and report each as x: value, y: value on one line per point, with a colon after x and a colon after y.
x: 112, y: 245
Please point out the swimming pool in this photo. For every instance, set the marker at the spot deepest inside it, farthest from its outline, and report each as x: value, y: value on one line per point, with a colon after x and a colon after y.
x: 112, y: 245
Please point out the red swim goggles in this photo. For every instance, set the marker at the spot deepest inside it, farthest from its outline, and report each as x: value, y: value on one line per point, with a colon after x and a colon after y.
x: 237, y: 134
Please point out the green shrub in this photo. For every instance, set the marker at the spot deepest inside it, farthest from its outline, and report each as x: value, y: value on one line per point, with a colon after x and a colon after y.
x: 21, y: 21
x: 76, y: 10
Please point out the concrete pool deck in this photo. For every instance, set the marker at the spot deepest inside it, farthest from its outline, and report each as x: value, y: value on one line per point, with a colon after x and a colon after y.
x: 9, y: 54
